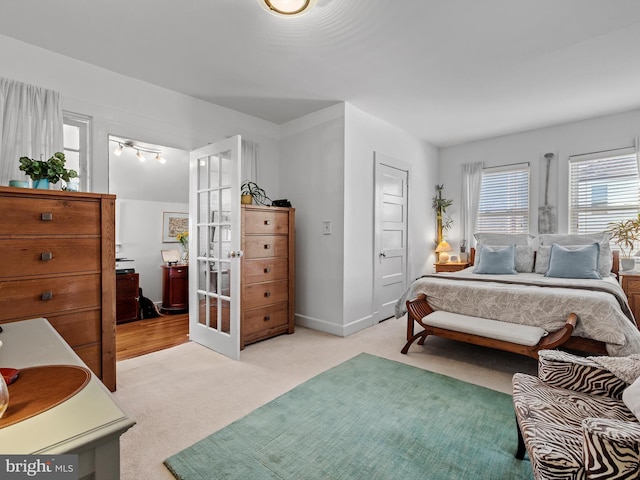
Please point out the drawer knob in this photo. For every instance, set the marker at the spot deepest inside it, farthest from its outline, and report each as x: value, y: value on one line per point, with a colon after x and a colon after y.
x: 46, y: 217
x: 267, y: 222
x: 45, y: 256
x: 46, y: 295
x: 267, y: 318
x: 267, y: 246
x: 267, y: 270
x: 267, y: 294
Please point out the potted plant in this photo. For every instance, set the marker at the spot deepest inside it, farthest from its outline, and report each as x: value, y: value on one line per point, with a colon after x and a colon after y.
x: 440, y: 206
x: 250, y: 191
x: 43, y: 172
x: 625, y: 234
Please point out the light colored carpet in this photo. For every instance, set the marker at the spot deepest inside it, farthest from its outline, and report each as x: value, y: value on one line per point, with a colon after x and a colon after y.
x: 369, y: 418
x: 183, y: 394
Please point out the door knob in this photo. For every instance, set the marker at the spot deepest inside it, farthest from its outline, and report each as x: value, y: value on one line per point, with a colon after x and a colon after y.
x: 383, y: 255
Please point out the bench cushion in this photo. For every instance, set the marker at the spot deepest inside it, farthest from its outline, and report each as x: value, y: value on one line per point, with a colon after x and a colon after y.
x: 508, y: 332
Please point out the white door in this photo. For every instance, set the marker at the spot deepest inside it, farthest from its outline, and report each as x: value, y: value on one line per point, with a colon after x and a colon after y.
x: 214, y: 249
x: 390, y: 236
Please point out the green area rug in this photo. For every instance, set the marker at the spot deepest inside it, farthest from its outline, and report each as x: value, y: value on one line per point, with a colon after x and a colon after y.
x: 369, y: 419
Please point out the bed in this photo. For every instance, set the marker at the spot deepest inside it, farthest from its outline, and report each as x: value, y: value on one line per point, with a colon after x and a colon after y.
x: 532, y: 295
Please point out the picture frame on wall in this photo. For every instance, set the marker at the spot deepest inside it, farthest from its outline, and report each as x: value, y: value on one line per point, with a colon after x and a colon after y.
x: 174, y: 223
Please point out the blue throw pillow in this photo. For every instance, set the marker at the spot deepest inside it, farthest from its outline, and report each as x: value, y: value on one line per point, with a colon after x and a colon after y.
x: 576, y: 263
x: 497, y: 260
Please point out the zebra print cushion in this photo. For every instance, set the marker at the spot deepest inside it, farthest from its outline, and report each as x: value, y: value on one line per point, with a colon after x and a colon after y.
x: 611, y: 448
x: 550, y: 420
x: 564, y: 370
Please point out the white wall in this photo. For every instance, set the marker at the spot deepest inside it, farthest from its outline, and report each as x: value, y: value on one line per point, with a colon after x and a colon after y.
x: 366, y: 134
x: 593, y: 135
x: 327, y: 168
x: 312, y: 178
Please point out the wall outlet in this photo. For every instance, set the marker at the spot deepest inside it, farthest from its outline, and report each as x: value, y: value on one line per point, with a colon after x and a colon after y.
x: 326, y: 228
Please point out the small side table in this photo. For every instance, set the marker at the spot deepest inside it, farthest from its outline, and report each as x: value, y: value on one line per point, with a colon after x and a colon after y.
x: 451, y: 266
x: 175, y: 289
x: 631, y: 286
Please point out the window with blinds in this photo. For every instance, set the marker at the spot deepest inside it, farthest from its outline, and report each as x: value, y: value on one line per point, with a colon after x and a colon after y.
x: 602, y: 189
x: 504, y: 200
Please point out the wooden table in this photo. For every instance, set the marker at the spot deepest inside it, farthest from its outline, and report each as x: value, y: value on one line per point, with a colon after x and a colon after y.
x: 451, y: 266
x: 88, y: 424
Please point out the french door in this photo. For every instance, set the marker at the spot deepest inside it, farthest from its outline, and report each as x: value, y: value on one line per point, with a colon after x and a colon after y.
x: 214, y: 246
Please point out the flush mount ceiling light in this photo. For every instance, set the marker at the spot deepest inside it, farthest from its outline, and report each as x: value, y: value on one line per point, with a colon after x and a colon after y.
x: 122, y: 144
x: 287, y: 8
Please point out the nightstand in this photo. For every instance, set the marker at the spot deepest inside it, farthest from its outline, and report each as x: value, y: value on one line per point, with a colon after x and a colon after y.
x: 631, y: 287
x: 455, y: 267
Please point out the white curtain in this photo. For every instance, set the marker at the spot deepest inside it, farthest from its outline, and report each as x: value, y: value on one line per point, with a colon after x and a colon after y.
x: 249, y: 161
x: 471, y: 184
x: 30, y: 126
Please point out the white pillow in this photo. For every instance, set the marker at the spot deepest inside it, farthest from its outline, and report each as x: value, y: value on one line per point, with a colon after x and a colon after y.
x: 631, y: 398
x: 503, y: 239
x: 605, y: 261
x: 564, y: 239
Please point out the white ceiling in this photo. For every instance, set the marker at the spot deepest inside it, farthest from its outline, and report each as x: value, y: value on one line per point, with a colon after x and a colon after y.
x: 448, y: 71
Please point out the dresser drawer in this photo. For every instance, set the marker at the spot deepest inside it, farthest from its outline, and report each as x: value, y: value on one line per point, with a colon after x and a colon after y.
x: 264, y: 221
x: 37, y: 297
x: 260, y: 294
x: 264, y: 269
x: 78, y: 328
x: 265, y: 246
x: 24, y: 216
x: 34, y: 257
x: 265, y: 319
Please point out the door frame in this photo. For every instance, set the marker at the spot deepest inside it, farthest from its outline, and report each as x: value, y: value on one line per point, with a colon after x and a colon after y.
x: 382, y: 159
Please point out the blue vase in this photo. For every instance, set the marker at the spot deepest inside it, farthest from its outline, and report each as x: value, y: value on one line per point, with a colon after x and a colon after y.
x: 43, y: 183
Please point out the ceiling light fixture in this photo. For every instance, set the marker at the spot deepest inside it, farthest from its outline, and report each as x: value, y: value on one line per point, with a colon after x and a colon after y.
x: 122, y: 144
x: 287, y: 8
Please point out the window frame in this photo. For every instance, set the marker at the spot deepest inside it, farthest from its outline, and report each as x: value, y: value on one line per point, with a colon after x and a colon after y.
x: 84, y: 124
x: 511, y: 173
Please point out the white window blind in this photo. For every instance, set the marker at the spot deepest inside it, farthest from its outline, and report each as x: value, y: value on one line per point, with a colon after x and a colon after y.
x: 602, y: 189
x: 504, y: 200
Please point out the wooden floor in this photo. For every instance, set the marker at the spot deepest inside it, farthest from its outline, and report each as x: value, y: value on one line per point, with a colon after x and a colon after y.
x: 150, y: 335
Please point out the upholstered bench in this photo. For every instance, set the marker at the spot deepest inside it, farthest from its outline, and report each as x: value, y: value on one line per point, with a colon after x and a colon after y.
x: 573, y: 422
x: 511, y: 337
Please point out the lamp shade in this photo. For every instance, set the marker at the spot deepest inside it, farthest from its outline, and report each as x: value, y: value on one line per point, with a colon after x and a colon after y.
x: 443, y: 246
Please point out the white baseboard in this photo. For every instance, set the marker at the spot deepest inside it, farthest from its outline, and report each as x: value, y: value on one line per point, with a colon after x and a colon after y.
x: 332, y: 328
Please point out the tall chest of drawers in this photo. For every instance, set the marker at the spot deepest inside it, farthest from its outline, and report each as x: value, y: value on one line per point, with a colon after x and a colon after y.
x: 57, y: 252
x: 268, y: 272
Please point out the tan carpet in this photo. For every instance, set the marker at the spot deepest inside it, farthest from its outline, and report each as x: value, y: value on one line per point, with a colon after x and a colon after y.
x: 180, y: 395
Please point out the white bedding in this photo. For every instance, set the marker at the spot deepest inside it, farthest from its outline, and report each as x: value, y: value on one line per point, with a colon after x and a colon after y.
x: 533, y: 299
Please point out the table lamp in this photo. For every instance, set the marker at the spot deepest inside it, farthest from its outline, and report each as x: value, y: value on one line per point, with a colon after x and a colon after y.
x: 442, y: 249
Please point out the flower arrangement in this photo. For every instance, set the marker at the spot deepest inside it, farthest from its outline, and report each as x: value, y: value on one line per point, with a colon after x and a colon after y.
x: 52, y: 169
x: 183, y: 238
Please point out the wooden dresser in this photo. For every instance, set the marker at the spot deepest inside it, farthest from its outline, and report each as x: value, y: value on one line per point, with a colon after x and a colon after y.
x: 268, y: 272
x: 58, y: 262
x: 175, y: 289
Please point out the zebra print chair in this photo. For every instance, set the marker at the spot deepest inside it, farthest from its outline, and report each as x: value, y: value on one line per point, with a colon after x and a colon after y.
x: 572, y: 421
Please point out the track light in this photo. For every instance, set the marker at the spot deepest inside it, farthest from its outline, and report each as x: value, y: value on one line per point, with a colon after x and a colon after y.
x: 122, y: 144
